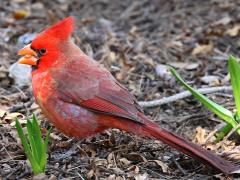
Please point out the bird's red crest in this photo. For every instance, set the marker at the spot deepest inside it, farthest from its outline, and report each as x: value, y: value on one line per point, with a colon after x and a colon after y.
x: 61, y: 30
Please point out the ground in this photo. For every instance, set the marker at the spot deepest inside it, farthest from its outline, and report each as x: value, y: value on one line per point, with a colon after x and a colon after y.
x: 131, y: 38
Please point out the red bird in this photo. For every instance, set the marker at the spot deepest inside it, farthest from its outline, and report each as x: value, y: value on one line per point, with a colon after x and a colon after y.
x: 81, y: 98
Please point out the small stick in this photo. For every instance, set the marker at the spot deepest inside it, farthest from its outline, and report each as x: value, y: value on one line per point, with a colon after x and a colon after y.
x: 184, y: 94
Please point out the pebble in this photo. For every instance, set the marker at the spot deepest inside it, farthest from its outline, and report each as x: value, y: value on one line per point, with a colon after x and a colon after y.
x: 163, y: 72
x: 21, y: 74
x: 211, y: 80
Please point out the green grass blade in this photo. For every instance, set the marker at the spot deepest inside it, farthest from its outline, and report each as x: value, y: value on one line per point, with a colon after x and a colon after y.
x: 234, y: 69
x: 223, y: 131
x: 44, y: 161
x: 32, y: 140
x: 27, y: 149
x: 23, y: 139
x: 38, y: 141
x: 214, y: 107
x: 47, y: 139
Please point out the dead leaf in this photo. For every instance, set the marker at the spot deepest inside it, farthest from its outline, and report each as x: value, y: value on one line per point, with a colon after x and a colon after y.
x: 163, y: 72
x: 13, y: 116
x: 2, y: 113
x: 185, y: 65
x: 179, y: 65
x: 200, y: 135
x: 111, y: 159
x: 114, y: 177
x: 90, y: 174
x: 20, y: 14
x: 192, y: 66
x: 149, y: 61
x: 111, y: 177
x: 116, y: 170
x: 141, y: 176
x: 161, y: 164
x: 211, y: 80
x: 10, y: 118
x: 136, y: 157
x: 233, y: 31
x: 100, y: 162
x: 224, y: 21
x: 133, y: 169
x: 174, y: 44
x: 202, y: 49
x: 54, y: 136
x: 63, y: 144
x: 125, y: 161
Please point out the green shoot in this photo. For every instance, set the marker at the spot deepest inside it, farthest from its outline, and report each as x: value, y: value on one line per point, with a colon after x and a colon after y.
x: 234, y: 69
x: 33, y: 144
x: 232, y: 119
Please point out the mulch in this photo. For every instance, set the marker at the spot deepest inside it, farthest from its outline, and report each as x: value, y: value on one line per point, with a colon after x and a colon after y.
x: 130, y: 38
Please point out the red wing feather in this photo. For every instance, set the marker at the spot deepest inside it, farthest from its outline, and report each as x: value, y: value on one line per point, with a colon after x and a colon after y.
x: 96, y: 89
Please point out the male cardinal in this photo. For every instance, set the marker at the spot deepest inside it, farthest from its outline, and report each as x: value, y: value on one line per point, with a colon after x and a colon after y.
x: 81, y: 98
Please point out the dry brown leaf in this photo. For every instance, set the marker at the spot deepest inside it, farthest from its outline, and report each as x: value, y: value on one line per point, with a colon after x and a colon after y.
x: 100, y: 162
x: 202, y: 49
x: 90, y: 174
x: 136, y: 157
x: 20, y: 14
x: 200, y: 135
x: 133, y: 169
x: 125, y: 161
x: 174, y: 44
x: 233, y: 31
x: 211, y: 80
x: 149, y: 61
x: 91, y: 152
x: 191, y: 66
x: 54, y: 136
x: 111, y: 159
x: 184, y: 65
x: 22, y: 121
x: 179, y: 65
x: 141, y: 176
x: 111, y: 177
x: 12, y: 116
x: 116, y: 170
x: 161, y: 164
x: 63, y: 144
x: 2, y: 114
x: 224, y: 21
x: 114, y: 177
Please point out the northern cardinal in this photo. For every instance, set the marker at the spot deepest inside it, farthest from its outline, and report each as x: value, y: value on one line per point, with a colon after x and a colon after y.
x: 81, y: 98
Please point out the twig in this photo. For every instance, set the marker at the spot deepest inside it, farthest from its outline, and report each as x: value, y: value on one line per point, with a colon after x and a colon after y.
x: 184, y: 94
x: 229, y: 134
x: 179, y: 166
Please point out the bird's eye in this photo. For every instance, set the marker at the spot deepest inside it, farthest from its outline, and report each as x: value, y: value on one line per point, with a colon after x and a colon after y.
x: 42, y: 51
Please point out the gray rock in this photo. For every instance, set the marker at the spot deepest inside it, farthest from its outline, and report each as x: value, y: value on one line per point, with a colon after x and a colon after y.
x: 21, y: 74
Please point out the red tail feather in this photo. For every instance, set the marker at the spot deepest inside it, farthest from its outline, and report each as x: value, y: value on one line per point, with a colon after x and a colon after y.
x: 188, y: 148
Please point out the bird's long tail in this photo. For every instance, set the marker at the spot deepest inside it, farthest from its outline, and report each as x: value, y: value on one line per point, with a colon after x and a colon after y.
x: 152, y: 130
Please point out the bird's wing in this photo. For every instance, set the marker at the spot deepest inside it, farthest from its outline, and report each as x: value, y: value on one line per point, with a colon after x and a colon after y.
x: 94, y: 88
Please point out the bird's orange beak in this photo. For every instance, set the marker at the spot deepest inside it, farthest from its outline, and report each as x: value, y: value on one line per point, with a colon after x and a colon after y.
x: 29, y: 56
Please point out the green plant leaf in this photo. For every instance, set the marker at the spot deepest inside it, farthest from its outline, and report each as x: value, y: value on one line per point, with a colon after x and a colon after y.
x: 214, y: 107
x: 27, y: 149
x: 32, y: 140
x: 39, y: 142
x: 222, y: 132
x: 47, y: 139
x: 46, y: 146
x: 234, y: 69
